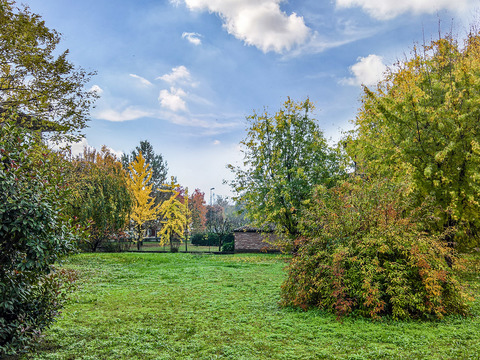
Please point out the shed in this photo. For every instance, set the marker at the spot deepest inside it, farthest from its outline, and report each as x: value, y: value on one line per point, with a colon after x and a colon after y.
x: 250, y: 239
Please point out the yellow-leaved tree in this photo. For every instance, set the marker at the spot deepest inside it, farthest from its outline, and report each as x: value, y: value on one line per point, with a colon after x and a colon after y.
x: 144, y: 208
x: 175, y: 216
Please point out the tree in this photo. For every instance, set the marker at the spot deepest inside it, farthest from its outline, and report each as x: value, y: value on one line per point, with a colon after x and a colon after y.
x: 101, y: 199
x: 421, y: 126
x: 156, y: 163
x: 285, y: 156
x: 43, y: 87
x: 34, y: 235
x: 218, y: 223
x: 144, y: 207
x: 175, y: 215
x: 198, y: 211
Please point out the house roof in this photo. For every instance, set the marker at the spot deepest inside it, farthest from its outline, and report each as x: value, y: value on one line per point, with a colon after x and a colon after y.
x: 249, y: 228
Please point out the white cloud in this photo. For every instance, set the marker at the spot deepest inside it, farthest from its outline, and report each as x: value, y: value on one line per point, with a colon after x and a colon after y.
x: 216, y: 142
x: 179, y: 74
x: 173, y: 99
x: 130, y: 113
x: 97, y: 89
x: 260, y: 23
x: 387, y: 9
x: 192, y: 37
x: 143, y: 81
x: 367, y: 71
x: 213, y: 126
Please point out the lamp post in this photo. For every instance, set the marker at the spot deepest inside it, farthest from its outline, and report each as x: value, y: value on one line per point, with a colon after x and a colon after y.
x: 211, y: 202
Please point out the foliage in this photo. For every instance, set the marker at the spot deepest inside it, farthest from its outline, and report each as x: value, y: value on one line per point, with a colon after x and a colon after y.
x: 45, y: 88
x: 34, y: 234
x: 218, y: 223
x: 155, y: 162
x: 101, y: 199
x: 228, y: 246
x: 364, y: 252
x: 210, y: 239
x: 198, y: 211
x: 206, y: 307
x: 144, y: 208
x: 285, y: 156
x: 174, y: 214
x: 421, y: 123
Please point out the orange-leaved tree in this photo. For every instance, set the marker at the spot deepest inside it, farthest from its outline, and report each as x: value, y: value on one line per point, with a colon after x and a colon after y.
x: 144, y: 208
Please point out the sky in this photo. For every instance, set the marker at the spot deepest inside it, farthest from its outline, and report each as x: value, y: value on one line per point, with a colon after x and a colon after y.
x: 185, y: 74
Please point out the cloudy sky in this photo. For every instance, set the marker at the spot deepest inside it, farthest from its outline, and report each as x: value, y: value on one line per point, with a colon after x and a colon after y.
x: 184, y: 74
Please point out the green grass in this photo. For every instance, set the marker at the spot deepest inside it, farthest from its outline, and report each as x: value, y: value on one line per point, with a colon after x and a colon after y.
x: 193, y: 306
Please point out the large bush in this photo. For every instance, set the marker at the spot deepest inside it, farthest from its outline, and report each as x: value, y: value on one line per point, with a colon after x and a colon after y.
x: 33, y: 236
x: 364, y: 252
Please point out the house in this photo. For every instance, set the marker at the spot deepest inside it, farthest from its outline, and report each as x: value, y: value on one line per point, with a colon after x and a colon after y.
x: 249, y: 239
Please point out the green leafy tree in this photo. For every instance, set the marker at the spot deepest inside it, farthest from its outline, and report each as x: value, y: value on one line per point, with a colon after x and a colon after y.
x: 36, y: 79
x: 285, y: 156
x: 101, y: 198
x: 421, y: 126
x: 34, y: 235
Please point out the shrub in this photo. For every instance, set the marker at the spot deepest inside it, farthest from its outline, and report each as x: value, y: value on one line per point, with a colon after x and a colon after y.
x: 228, y: 247
x: 364, y: 252
x: 206, y: 239
x: 33, y: 236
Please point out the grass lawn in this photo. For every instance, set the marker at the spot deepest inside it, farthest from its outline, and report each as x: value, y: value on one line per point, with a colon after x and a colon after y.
x: 194, y: 306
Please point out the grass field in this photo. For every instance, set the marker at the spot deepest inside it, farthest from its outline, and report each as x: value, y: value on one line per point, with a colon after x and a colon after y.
x: 198, y: 306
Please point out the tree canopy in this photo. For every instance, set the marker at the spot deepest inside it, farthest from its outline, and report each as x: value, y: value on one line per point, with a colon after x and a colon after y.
x: 101, y: 198
x: 144, y: 208
x: 45, y: 89
x: 421, y: 125
x: 285, y: 156
x: 155, y: 162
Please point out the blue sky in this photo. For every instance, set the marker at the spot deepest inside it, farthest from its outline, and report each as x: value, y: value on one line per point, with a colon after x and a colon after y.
x: 184, y: 74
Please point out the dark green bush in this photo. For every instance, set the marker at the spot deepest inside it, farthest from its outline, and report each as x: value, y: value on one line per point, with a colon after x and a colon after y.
x: 228, y: 247
x: 364, y: 251
x: 206, y: 239
x: 33, y: 236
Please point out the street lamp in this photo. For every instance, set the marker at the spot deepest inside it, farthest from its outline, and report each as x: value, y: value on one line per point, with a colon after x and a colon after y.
x: 211, y: 203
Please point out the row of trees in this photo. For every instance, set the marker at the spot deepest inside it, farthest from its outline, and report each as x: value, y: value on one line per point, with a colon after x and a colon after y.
x: 378, y: 221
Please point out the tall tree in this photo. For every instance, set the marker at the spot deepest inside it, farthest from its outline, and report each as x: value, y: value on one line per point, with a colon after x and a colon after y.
x: 421, y: 125
x: 101, y: 196
x: 285, y: 156
x: 198, y: 211
x: 36, y: 79
x: 144, y: 208
x: 155, y: 161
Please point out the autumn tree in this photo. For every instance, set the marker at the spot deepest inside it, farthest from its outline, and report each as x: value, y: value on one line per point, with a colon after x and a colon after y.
x: 420, y: 125
x: 36, y: 79
x: 144, y: 208
x: 175, y: 215
x: 101, y: 197
x: 198, y: 211
x: 155, y: 162
x: 285, y: 156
